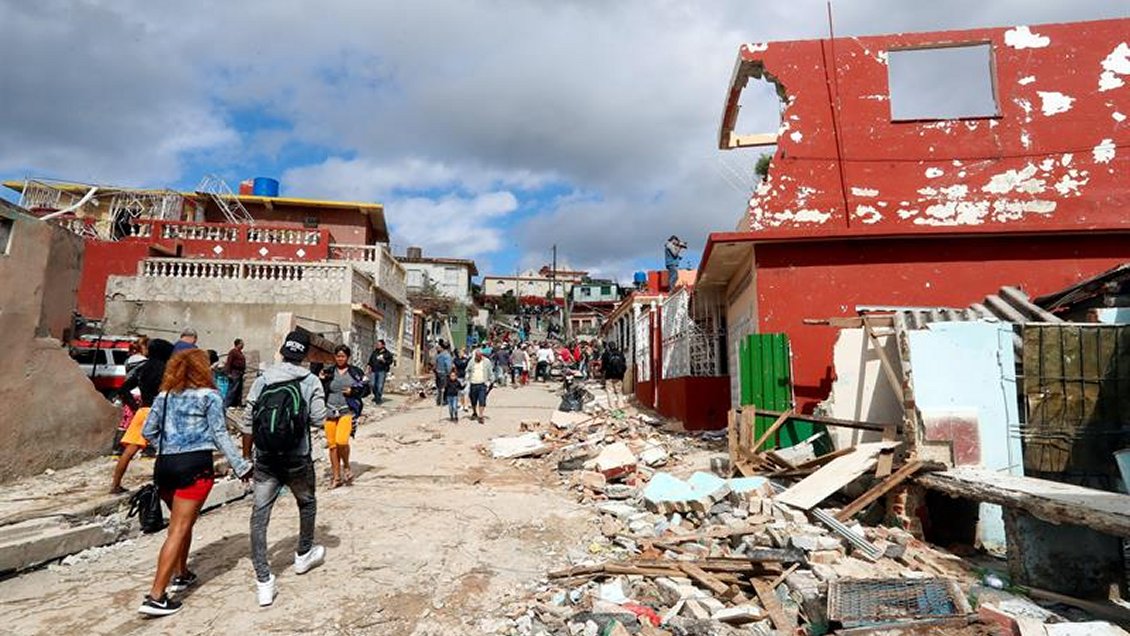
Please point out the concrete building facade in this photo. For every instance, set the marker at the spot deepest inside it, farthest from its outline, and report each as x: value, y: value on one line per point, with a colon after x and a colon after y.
x: 54, y: 416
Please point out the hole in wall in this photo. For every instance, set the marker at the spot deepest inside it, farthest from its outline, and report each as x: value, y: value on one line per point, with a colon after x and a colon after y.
x: 951, y: 82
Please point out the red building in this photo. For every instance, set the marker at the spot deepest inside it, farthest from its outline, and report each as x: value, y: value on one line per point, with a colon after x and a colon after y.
x: 124, y: 226
x: 863, y: 206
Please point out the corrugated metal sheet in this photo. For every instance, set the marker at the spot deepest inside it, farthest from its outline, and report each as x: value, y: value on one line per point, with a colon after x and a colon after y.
x: 1009, y: 304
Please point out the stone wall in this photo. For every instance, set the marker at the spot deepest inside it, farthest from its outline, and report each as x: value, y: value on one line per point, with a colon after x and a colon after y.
x: 52, y: 416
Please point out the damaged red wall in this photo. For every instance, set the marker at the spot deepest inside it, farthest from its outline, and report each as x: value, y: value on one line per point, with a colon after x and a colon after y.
x: 830, y: 278
x: 1053, y: 157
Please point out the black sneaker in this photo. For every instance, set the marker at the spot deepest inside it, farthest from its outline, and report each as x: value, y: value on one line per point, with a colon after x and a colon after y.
x: 159, y: 607
x: 182, y: 583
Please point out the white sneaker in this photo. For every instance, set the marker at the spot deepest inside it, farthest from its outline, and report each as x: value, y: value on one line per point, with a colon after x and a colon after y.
x: 266, y: 591
x: 303, y: 563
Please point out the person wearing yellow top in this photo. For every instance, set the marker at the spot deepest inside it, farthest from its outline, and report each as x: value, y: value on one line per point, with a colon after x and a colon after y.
x: 479, y: 372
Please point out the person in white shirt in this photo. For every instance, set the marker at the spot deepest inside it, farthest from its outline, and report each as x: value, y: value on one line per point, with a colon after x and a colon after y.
x: 545, y: 359
x: 479, y: 374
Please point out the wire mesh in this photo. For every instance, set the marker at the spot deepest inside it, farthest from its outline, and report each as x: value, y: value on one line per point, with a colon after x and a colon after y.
x: 854, y: 601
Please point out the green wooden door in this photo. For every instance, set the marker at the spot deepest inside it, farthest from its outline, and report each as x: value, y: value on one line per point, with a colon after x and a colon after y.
x: 766, y: 383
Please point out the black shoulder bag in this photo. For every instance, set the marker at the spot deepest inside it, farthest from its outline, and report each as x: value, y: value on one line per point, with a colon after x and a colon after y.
x: 146, y: 502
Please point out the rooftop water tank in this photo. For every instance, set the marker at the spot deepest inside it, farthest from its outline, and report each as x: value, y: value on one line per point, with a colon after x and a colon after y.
x: 265, y: 187
x: 640, y: 279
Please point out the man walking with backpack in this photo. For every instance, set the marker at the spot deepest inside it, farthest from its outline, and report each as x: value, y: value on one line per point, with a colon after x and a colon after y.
x: 615, y: 366
x: 282, y: 405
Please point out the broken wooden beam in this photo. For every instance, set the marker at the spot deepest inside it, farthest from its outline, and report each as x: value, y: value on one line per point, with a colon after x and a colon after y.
x: 703, y: 578
x: 1051, y: 501
x: 777, y: 424
x: 830, y: 421
x: 773, y: 606
x: 879, y: 489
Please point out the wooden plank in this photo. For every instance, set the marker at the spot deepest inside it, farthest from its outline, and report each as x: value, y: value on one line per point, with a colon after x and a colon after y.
x: 830, y: 421
x: 885, y: 362
x: 700, y: 576
x: 784, y: 575
x: 820, y: 485
x: 878, y: 490
x: 772, y: 606
x: 778, y: 423
x: 1051, y: 501
x: 745, y: 436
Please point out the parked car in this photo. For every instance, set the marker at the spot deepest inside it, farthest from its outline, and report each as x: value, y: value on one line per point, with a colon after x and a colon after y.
x: 103, y: 360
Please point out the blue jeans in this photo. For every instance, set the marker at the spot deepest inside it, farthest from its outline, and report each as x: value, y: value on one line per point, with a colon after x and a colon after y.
x: 379, y: 385
x: 672, y: 275
x: 452, y: 406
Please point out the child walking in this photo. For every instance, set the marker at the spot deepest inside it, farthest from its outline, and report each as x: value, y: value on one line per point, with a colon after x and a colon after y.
x: 451, y: 393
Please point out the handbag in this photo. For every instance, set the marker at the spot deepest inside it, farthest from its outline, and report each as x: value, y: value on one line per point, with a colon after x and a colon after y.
x: 145, y: 504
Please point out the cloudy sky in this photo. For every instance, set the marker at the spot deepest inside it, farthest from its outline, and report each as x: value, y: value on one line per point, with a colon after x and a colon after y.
x: 490, y: 129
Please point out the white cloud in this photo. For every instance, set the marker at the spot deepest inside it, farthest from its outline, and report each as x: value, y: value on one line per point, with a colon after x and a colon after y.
x: 446, y: 111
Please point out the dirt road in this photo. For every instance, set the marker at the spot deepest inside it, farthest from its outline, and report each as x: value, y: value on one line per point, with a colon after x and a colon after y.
x: 433, y: 538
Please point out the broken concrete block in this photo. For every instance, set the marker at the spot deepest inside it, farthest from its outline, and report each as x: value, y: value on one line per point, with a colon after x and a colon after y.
x: 745, y: 489
x: 825, y: 556
x: 565, y: 420
x: 618, y: 491
x: 29, y: 543
x: 616, y: 460
x: 813, y: 543
x: 527, y: 445
x: 591, y: 480
x: 621, y: 511
x: 738, y: 615
x: 701, y: 608
x: 654, y: 455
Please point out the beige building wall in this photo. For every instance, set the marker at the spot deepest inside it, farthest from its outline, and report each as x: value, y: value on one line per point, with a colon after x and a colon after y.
x: 741, y: 320
x: 53, y: 417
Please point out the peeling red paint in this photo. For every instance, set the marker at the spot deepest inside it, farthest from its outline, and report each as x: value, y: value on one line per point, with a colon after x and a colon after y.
x: 1055, y: 158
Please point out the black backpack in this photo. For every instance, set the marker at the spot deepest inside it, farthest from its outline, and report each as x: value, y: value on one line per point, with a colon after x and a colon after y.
x: 616, y: 363
x: 281, y: 418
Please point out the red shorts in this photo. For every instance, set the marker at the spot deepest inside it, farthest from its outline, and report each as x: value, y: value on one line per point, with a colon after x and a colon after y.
x: 198, y: 491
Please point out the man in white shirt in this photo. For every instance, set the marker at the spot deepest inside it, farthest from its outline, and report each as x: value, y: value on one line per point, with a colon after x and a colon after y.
x: 479, y: 374
x: 545, y: 360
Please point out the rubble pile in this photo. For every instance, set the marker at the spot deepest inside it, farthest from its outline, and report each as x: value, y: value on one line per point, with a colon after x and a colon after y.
x: 679, y: 551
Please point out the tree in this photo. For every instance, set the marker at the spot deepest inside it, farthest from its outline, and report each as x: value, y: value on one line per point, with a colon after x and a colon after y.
x: 762, y: 167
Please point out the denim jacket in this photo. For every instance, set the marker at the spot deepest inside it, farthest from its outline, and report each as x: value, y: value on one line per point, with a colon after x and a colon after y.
x: 195, y: 422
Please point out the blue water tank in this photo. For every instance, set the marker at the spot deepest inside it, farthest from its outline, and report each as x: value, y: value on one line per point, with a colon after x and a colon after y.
x: 265, y: 187
x: 639, y: 278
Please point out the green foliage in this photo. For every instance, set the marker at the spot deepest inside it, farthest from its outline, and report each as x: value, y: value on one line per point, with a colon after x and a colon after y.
x: 762, y: 167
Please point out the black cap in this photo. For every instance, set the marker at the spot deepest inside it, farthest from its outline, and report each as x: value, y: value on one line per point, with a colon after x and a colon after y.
x: 295, y: 346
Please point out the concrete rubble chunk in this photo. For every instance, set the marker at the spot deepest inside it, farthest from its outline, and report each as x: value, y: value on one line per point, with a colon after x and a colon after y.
x: 738, y: 615
x: 566, y: 420
x: 654, y: 455
x: 30, y: 543
x: 616, y: 460
x: 666, y: 493
x: 527, y: 445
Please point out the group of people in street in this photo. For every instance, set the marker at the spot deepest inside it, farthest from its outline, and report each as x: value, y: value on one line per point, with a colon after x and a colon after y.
x: 177, y: 409
x: 464, y: 378
x: 184, y: 420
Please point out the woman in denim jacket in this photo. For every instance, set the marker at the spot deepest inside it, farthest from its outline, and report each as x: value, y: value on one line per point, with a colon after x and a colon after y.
x: 186, y: 424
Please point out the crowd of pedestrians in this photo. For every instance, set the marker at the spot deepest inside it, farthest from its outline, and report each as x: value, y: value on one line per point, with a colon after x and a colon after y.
x: 175, y: 398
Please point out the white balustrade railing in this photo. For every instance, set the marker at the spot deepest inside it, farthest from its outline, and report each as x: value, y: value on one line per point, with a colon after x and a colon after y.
x: 200, y: 232
x: 240, y: 270
x: 283, y: 236
x: 356, y: 253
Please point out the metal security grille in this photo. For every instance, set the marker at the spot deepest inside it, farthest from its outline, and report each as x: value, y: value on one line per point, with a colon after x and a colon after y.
x: 862, y: 601
x: 643, y: 347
